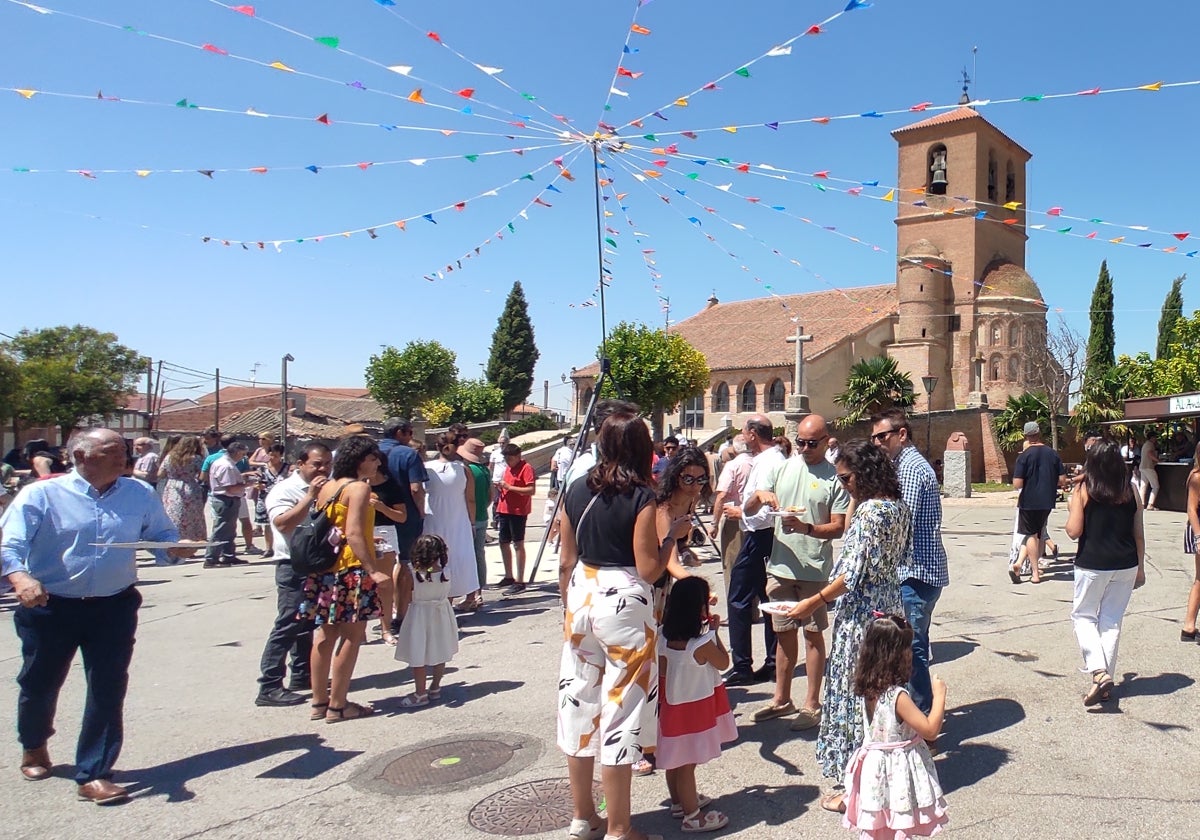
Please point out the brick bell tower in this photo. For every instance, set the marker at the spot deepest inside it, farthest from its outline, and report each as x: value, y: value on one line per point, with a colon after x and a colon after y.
x: 952, y: 167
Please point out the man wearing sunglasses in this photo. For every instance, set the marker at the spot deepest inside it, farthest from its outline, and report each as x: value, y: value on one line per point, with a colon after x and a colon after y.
x: 800, y: 562
x: 923, y: 574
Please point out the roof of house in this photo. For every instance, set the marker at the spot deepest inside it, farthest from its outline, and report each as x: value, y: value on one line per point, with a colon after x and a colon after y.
x: 232, y: 393
x: 958, y: 115
x: 753, y: 333
x: 255, y: 421
x: 1005, y: 279
x: 351, y: 410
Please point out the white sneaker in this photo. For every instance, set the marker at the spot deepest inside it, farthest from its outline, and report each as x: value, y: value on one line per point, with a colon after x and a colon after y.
x: 582, y: 830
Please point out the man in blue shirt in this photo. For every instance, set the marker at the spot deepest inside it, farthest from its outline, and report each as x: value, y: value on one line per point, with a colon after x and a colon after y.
x: 76, y: 594
x: 407, y: 469
x: 924, y: 572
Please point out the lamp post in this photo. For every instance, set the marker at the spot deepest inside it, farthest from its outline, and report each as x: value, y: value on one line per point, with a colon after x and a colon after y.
x: 930, y: 382
x: 283, y: 403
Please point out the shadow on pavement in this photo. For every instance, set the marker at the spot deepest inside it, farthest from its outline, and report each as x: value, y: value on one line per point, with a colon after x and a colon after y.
x: 963, y: 766
x: 950, y: 651
x: 1133, y: 685
x: 976, y: 719
x: 171, y: 779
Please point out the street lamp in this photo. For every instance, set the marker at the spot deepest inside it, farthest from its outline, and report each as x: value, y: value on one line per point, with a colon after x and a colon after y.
x: 930, y: 382
x: 283, y: 403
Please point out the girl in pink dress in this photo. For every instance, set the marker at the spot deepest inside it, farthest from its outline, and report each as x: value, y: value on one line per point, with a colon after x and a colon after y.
x: 892, y: 787
x: 694, y: 718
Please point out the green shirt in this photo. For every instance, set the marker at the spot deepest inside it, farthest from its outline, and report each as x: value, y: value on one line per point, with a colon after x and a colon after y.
x: 483, y: 490
x: 815, y: 488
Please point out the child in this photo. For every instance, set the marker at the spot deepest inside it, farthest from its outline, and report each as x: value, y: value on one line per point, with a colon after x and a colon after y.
x: 548, y: 518
x: 429, y: 634
x: 694, y: 718
x: 892, y: 788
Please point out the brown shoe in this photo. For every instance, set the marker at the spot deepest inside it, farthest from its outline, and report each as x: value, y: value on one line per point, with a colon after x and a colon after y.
x: 102, y: 792
x: 35, y: 764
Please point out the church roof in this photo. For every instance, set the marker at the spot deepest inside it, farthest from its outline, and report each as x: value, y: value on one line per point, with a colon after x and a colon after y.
x: 752, y: 333
x: 957, y: 115
x: 1002, y: 278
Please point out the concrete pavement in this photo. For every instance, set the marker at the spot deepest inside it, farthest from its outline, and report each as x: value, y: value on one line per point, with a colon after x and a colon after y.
x: 1021, y: 755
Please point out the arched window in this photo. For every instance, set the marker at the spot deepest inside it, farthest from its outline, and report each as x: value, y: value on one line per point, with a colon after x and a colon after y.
x: 994, y: 369
x: 991, y: 176
x: 720, y: 398
x: 776, y: 396
x: 749, y: 398
x: 586, y: 400
x: 1014, y: 334
x: 938, y: 178
x: 1010, y: 183
x: 997, y: 337
x: 1014, y: 368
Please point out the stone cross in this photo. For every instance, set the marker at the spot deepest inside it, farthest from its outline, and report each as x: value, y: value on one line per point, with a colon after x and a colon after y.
x: 799, y: 339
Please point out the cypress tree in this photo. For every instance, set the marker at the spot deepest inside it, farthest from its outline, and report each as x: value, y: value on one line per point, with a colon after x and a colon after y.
x: 1172, y: 312
x: 1102, y: 340
x: 514, y: 354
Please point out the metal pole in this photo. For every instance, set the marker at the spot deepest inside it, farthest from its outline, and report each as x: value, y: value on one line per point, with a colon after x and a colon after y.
x: 546, y: 395
x: 217, y: 404
x: 600, y: 246
x: 929, y: 428
x: 283, y: 405
x: 149, y: 394
x: 158, y: 392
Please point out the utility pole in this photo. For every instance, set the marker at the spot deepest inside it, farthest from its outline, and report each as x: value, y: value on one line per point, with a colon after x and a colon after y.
x: 283, y: 407
x: 149, y: 393
x: 217, y: 418
x: 545, y: 395
x: 157, y: 397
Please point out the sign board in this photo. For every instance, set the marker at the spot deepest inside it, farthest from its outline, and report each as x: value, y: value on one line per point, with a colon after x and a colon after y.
x: 1185, y: 404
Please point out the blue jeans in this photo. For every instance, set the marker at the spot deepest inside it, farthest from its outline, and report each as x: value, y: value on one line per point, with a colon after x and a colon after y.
x: 102, y: 630
x: 919, y: 600
x: 747, y: 584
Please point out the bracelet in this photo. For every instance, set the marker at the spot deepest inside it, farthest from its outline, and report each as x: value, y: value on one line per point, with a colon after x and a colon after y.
x: 821, y: 595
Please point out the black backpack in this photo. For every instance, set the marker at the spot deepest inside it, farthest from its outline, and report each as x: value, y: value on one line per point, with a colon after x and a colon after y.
x: 315, y: 543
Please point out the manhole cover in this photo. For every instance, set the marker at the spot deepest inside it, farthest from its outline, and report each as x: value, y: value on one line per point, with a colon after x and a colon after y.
x: 448, y: 763
x: 530, y: 808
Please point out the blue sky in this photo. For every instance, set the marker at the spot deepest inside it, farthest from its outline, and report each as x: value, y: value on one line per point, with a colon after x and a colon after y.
x: 141, y: 271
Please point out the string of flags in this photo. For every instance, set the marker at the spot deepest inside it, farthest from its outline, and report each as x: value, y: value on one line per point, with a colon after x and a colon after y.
x: 741, y: 71
x: 610, y: 197
x: 416, y: 96
x: 335, y: 43
x: 622, y: 71
x: 323, y: 118
x: 362, y: 165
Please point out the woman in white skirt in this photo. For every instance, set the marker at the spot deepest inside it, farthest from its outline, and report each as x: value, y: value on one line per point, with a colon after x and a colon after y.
x: 449, y: 513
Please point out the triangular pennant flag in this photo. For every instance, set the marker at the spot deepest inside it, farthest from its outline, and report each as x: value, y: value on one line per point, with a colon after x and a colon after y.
x: 324, y: 118
x: 1089, y: 92
x: 363, y: 166
x: 744, y: 72
x: 357, y: 85
x: 1154, y: 86
x: 824, y: 173
x: 821, y: 120
x: 621, y: 71
x: 774, y: 126
x: 1012, y: 205
x: 207, y: 173
x: 1054, y: 211
x: 732, y: 129
x: 471, y: 158
x: 433, y: 36
x: 245, y: 10
x: 467, y: 93
x: 371, y: 233
x: 259, y: 170
x: 491, y: 71
x: 1038, y: 98
x: 460, y: 206
x: 142, y: 173
x: 213, y: 48
x: 402, y: 69
x: 660, y: 116
x: 400, y: 224
x: 617, y: 91
x: 691, y: 135
x: 528, y: 176
x: 890, y: 195
x: 553, y: 188
x: 428, y: 217
x: 416, y: 96
x: 538, y: 200
x: 329, y: 41
x: 1181, y: 236
x: 279, y: 65
x: 641, y: 30
x: 29, y: 94
x: 313, y: 169
x: 775, y: 52
x: 856, y: 4
x: 610, y: 241
x: 920, y: 106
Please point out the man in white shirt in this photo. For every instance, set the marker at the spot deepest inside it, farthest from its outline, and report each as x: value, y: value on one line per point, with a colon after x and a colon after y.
x: 748, y: 576
x: 227, y: 487
x: 560, y: 463
x: 288, y: 504
x: 727, y: 505
x: 146, y: 465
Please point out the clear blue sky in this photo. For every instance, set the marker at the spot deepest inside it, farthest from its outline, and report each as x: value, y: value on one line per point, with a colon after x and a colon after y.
x: 141, y: 272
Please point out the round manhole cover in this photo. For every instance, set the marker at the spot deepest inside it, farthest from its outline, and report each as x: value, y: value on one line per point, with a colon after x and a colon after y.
x: 448, y: 763
x: 530, y: 808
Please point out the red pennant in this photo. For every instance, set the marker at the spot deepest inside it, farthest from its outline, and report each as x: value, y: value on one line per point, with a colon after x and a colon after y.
x: 245, y: 10
x: 621, y: 71
x: 261, y: 170
x: 467, y: 93
x: 462, y: 205
x: 1054, y: 211
x: 520, y: 152
x: 1181, y: 236
x: 824, y: 173
x: 672, y: 149
x: 518, y: 124
x: 920, y: 106
x: 1092, y: 92
x: 691, y: 135
x: 558, y: 161
x: 815, y: 29
x: 745, y: 167
x: 753, y: 200
x: 822, y: 120
x: 660, y: 163
x: 324, y: 118
x: 363, y: 166
x: 637, y: 123
x: 213, y: 48
x: 433, y: 36
x: 539, y: 201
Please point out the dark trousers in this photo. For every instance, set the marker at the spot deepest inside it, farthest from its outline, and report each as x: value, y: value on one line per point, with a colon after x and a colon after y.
x: 102, y: 630
x: 919, y: 600
x: 225, y: 520
x: 748, y: 585
x: 289, y: 636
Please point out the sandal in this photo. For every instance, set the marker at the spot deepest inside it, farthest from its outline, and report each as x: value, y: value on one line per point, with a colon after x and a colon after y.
x: 1101, y: 683
x: 435, y: 693
x: 644, y: 766
x: 318, y: 711
x: 1014, y: 574
x: 706, y: 821
x: 828, y: 803
x: 351, y: 711
x: 389, y: 638
x: 414, y: 701
x: 677, y: 809
x: 584, y: 830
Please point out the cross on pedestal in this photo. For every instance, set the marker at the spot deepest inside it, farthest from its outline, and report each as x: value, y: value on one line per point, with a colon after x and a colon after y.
x: 799, y: 339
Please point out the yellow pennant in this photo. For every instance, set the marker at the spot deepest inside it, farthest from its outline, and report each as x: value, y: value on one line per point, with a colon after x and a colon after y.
x: 890, y: 196
x: 732, y: 129
x: 142, y: 173
x: 1155, y: 86
x: 682, y: 102
x: 279, y: 65
x: 28, y: 94
x: 1012, y: 205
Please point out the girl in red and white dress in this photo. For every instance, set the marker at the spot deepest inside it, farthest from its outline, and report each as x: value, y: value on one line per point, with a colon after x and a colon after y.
x: 694, y: 718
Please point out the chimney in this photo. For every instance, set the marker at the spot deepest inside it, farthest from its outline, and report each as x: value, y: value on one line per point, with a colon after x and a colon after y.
x: 712, y: 301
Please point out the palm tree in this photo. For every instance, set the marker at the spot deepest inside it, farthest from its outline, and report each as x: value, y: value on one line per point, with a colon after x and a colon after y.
x: 874, y: 385
x: 1103, y: 400
x: 1017, y: 412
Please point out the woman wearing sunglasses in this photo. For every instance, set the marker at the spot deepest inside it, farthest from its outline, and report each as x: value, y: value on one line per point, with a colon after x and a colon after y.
x: 863, y: 583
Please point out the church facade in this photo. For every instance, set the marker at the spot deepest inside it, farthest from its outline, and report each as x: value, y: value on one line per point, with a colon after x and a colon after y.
x: 962, y: 307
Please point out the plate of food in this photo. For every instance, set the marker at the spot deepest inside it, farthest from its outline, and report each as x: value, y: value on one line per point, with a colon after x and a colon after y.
x: 787, y: 511
x: 778, y: 607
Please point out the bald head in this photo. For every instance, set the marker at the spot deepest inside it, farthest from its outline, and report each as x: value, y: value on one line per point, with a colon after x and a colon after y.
x: 759, y: 433
x: 99, y: 456
x: 812, y: 438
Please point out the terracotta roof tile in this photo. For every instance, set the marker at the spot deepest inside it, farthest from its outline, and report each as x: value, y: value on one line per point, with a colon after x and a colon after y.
x: 753, y: 333
x: 1005, y: 279
x: 957, y: 115
x: 255, y: 421
x: 230, y: 393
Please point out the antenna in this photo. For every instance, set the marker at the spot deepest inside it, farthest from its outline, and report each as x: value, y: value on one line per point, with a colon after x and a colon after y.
x: 975, y: 66
x: 966, y: 86
x: 254, y: 373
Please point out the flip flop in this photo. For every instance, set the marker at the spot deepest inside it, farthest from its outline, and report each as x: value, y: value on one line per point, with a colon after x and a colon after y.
x: 1014, y: 575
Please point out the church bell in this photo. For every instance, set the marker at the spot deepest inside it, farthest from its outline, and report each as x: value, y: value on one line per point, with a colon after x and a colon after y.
x: 938, y: 183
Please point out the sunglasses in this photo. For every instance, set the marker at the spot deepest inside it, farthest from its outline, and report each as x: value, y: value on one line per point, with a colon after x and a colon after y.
x: 880, y: 437
x: 810, y: 444
x: 689, y: 480
x: 845, y: 477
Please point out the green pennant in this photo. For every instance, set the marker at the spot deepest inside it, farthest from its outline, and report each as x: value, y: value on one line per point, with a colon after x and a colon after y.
x: 329, y: 41
x: 693, y: 175
x: 649, y: 137
x: 610, y: 241
x: 821, y: 187
x: 529, y: 96
x: 743, y: 72
x: 1064, y: 230
x: 471, y: 158
x: 20, y: 169
x: 1096, y: 221
x: 526, y: 177
x: 511, y: 229
x: 725, y: 161
x: 1037, y: 98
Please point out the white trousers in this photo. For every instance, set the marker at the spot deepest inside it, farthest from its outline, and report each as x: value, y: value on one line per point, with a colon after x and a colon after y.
x: 1100, y: 602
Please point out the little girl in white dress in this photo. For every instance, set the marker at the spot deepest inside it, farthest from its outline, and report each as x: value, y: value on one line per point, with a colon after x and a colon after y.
x: 429, y: 635
x: 892, y: 787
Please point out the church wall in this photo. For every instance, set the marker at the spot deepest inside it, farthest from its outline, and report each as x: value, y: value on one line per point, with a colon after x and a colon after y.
x: 988, y: 463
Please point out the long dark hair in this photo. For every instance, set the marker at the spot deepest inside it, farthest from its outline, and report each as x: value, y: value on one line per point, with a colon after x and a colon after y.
x: 668, y: 482
x: 625, y: 453
x: 351, y: 452
x: 884, y: 656
x: 1104, y: 474
x: 874, y: 474
x: 686, y: 613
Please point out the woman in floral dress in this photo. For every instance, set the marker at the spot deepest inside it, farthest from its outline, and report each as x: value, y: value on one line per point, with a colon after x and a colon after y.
x: 182, y: 496
x: 863, y: 582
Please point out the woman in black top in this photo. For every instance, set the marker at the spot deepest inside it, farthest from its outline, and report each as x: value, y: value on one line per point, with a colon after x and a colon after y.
x: 608, y: 683
x: 1105, y: 515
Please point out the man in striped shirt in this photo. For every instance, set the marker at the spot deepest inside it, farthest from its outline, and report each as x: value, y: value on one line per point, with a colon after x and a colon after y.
x: 923, y: 574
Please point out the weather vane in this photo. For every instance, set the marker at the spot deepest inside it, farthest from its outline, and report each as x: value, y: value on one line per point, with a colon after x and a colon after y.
x: 966, y: 85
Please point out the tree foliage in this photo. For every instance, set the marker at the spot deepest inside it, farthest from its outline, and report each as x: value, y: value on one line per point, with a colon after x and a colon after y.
x: 1009, y: 423
x: 655, y: 369
x: 10, y: 384
x: 1172, y: 313
x: 475, y: 400
x: 400, y: 380
x: 1102, y: 340
x: 873, y: 385
x: 67, y: 375
x: 514, y: 354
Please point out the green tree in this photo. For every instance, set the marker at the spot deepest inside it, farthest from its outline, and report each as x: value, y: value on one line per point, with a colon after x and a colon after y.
x: 70, y: 374
x: 1102, y: 341
x: 1009, y: 423
x: 874, y: 385
x: 400, y: 380
x: 475, y: 400
x: 655, y: 369
x: 514, y: 354
x: 10, y: 385
x: 1172, y: 313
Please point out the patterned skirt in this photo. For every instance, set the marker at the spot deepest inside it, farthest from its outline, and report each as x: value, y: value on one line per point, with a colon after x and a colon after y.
x: 340, y: 597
